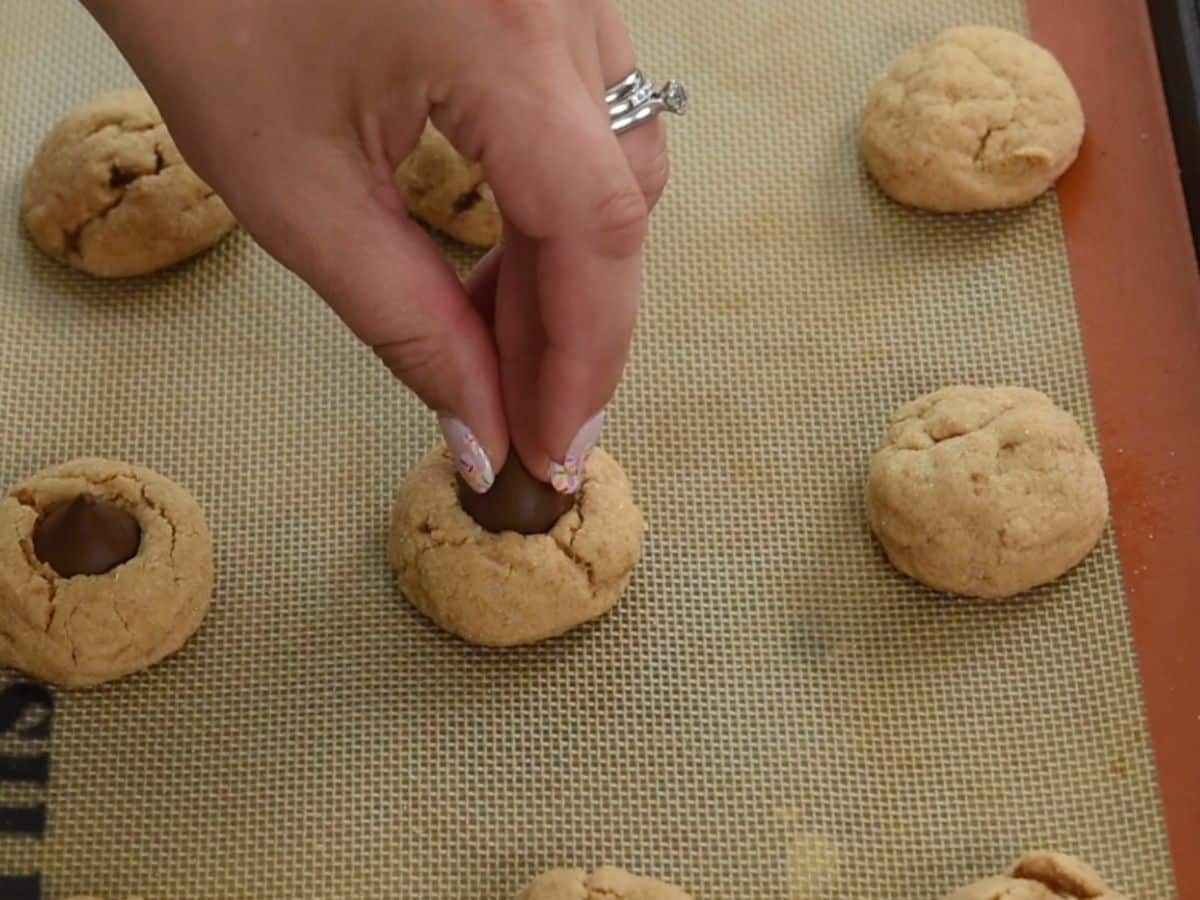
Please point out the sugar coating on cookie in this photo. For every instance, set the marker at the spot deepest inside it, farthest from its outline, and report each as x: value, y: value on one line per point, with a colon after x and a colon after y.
x: 978, y: 118
x: 508, y: 588
x: 606, y: 883
x: 108, y: 192
x: 448, y: 192
x: 1042, y: 875
x: 83, y: 630
x: 985, y: 492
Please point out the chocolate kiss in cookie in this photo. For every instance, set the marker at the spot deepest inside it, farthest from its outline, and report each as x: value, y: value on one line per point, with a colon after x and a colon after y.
x: 86, y: 537
x: 516, y: 502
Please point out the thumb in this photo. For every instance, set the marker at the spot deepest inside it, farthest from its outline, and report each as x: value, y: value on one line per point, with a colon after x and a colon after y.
x: 391, y: 285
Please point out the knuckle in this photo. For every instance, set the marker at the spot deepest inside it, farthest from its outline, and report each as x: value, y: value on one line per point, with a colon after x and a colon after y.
x: 620, y: 219
x: 654, y: 173
x: 417, y: 359
x: 532, y: 21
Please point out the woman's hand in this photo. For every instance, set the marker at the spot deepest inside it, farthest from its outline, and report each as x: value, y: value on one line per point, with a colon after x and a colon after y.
x: 299, y: 111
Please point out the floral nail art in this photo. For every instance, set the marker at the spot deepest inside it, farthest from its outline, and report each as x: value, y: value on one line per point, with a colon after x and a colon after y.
x: 470, y: 458
x: 566, y: 477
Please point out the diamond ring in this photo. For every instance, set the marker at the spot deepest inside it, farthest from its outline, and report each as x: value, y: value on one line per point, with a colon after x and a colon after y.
x: 636, y: 99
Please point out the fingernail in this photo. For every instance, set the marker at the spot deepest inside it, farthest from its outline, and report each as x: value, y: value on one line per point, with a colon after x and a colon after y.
x: 469, y: 456
x: 567, y: 476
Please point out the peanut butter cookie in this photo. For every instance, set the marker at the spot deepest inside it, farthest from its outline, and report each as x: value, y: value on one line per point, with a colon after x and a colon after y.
x: 448, y: 192
x: 606, y: 883
x: 985, y: 492
x: 978, y: 118
x: 109, y: 194
x: 1041, y: 876
x: 509, y: 588
x: 105, y: 568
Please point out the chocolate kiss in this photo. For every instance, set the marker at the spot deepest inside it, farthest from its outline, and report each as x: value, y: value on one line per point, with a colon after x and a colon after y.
x: 516, y: 502
x: 86, y: 536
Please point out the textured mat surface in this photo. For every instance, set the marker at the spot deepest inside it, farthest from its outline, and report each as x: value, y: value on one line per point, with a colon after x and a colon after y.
x: 771, y: 713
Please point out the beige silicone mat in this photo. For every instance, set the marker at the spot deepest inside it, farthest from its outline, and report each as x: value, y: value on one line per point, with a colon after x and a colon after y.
x: 771, y: 713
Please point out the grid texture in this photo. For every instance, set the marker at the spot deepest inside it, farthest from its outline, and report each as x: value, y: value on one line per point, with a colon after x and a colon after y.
x: 772, y: 712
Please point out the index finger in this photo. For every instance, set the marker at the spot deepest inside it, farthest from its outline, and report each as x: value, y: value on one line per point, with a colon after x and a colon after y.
x: 562, y: 179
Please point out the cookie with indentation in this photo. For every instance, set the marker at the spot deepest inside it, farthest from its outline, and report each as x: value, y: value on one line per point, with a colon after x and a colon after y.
x: 1041, y: 875
x: 105, y: 568
x: 985, y: 492
x: 978, y: 118
x: 448, y: 192
x: 509, y: 588
x: 606, y: 883
x: 108, y: 192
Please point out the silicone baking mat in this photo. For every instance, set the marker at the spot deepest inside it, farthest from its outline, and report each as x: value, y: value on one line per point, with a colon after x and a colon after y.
x: 772, y: 712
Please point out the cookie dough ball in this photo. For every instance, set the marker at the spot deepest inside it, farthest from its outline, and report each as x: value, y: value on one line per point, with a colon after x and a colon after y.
x: 978, y: 118
x: 447, y: 192
x: 109, y: 194
x: 985, y: 492
x: 1041, y: 876
x: 607, y: 883
x: 79, y: 603
x: 505, y: 589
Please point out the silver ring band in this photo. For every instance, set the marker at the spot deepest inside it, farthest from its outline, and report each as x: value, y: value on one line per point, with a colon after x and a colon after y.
x: 635, y: 99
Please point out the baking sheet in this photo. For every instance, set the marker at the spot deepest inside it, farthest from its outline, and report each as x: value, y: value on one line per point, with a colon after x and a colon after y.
x: 772, y: 712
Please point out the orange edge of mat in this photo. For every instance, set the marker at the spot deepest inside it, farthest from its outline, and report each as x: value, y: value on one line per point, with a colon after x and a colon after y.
x: 1138, y: 294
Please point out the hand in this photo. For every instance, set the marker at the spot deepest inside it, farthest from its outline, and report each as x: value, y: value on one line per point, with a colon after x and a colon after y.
x: 299, y: 111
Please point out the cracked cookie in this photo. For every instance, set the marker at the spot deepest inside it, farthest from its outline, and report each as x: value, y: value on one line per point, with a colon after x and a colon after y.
x: 448, y: 192
x: 105, y: 568
x: 607, y: 883
x: 508, y: 588
x: 978, y: 118
x: 109, y: 194
x: 1041, y: 876
x: 985, y: 492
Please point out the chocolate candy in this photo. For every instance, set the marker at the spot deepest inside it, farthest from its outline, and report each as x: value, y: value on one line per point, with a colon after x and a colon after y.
x: 516, y: 502
x: 87, y: 536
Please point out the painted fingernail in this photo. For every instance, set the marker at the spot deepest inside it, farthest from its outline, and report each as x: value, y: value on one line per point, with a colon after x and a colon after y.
x: 469, y: 456
x: 567, y: 476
